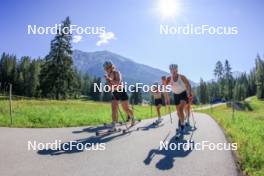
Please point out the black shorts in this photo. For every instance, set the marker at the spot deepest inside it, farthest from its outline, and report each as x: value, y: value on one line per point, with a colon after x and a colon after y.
x: 180, y: 97
x: 158, y: 102
x: 118, y: 95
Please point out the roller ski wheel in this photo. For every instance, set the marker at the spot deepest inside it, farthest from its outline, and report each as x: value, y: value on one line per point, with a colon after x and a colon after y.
x: 106, y: 132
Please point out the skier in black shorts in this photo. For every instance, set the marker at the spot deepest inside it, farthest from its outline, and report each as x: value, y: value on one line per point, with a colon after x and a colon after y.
x: 181, y: 89
x: 114, y: 79
x: 157, y: 100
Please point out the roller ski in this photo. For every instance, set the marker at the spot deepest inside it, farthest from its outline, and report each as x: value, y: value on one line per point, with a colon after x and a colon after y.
x: 133, y: 124
x: 112, y: 130
x: 157, y: 122
x: 187, y: 122
x: 179, y: 131
x: 120, y: 123
x: 107, y: 132
x: 107, y: 125
x: 179, y: 134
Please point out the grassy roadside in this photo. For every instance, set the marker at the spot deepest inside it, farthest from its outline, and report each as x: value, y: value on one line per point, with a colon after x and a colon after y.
x: 247, y: 129
x: 52, y: 113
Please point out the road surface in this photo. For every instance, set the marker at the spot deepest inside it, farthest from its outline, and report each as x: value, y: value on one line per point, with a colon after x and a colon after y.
x: 209, y: 106
x: 133, y: 154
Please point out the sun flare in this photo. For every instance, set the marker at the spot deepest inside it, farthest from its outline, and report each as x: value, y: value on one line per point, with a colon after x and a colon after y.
x: 169, y: 8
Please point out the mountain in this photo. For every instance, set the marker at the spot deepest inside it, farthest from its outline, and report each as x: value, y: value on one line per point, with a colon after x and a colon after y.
x: 132, y: 72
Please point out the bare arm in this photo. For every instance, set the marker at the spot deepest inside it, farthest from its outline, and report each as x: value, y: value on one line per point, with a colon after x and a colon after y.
x: 187, y: 84
x: 168, y: 80
x: 116, y: 80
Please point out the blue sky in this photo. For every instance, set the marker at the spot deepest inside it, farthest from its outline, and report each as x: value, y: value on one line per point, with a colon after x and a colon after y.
x: 136, y: 25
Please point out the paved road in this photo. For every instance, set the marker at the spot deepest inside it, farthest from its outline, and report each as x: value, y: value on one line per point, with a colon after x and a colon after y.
x: 134, y: 154
x: 209, y: 106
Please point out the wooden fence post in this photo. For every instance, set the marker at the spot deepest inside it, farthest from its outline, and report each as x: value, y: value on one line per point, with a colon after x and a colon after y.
x: 10, y: 103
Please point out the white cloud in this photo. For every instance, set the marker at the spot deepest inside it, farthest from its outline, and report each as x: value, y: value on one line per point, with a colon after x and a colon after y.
x: 105, y: 37
x: 76, y: 38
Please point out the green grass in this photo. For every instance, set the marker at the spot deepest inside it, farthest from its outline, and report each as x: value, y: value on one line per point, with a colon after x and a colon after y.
x: 52, y: 113
x: 246, y: 129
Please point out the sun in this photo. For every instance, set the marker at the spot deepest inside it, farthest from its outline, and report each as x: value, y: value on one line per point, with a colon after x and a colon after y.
x: 169, y: 8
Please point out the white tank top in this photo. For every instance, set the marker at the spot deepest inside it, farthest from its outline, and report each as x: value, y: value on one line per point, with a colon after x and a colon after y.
x: 178, y: 86
x: 157, y: 95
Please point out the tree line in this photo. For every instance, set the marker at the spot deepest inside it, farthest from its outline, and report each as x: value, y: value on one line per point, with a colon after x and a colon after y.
x: 229, y: 87
x: 27, y: 76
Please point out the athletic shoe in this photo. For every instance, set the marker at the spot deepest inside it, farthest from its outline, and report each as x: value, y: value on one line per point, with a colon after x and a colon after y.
x: 159, y: 120
x: 128, y: 118
x: 182, y: 129
x: 113, y: 126
x: 132, y: 119
x: 179, y: 124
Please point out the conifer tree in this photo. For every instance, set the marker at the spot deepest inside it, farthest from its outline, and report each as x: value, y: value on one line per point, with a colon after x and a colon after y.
x: 58, y: 77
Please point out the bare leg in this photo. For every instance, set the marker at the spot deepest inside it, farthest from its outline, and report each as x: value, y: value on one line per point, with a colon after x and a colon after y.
x: 180, y: 111
x: 158, y: 110
x: 187, y: 111
x: 126, y: 108
x: 114, y: 111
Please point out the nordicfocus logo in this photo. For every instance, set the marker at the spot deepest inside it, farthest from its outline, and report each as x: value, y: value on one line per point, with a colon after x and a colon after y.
x: 58, y: 29
x: 191, y: 145
x: 68, y: 146
x: 131, y: 88
x: 191, y: 29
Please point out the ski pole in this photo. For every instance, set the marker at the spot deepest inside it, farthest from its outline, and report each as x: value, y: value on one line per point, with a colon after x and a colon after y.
x: 194, y: 122
x: 122, y: 116
x: 170, y: 114
x: 150, y: 105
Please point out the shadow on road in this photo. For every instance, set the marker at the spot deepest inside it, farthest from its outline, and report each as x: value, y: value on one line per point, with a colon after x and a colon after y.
x: 150, y: 126
x: 91, y: 142
x: 174, y: 149
x: 92, y: 129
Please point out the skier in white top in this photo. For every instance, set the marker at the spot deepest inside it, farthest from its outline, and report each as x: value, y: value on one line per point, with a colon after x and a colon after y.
x: 181, y: 89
